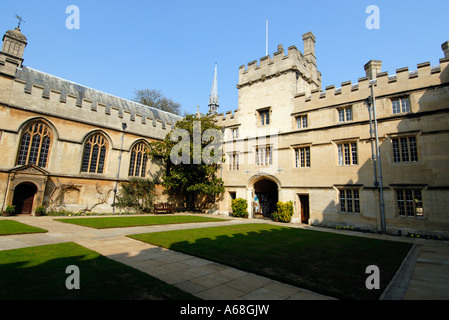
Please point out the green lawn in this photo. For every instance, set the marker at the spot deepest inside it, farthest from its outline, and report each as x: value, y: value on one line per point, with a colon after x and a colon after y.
x: 120, y: 222
x: 40, y: 273
x: 323, y: 262
x: 10, y: 227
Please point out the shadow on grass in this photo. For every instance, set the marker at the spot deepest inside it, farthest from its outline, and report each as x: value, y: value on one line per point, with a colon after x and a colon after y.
x: 39, y: 273
x: 327, y: 263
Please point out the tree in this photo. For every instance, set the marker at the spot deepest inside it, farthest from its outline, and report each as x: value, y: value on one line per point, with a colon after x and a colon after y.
x: 190, y: 177
x: 155, y: 99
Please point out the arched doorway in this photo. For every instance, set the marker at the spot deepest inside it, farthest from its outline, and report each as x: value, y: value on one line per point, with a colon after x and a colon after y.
x: 266, y: 192
x: 24, y: 197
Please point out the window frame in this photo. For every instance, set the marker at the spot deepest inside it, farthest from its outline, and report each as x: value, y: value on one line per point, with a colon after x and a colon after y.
x: 302, y: 157
x: 235, y: 133
x: 400, y: 107
x: 405, y: 149
x: 95, y: 139
x: 350, y: 202
x: 234, y: 163
x: 345, y: 114
x: 409, y: 200
x: 264, y: 117
x: 302, y: 122
x: 266, y: 155
x: 32, y: 151
x: 347, y: 153
x: 138, y: 149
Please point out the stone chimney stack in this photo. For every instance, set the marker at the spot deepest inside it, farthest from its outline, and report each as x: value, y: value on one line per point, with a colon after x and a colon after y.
x: 445, y: 47
x: 309, y: 47
x: 372, y: 68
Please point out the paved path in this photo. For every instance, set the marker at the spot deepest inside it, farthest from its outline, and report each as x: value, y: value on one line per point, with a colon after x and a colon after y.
x: 424, y: 275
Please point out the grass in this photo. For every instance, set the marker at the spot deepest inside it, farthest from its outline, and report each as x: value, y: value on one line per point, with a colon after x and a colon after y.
x: 10, y: 227
x: 322, y: 262
x: 39, y: 273
x: 120, y: 222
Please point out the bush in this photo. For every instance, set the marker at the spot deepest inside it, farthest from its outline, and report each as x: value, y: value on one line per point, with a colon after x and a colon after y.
x: 285, y: 211
x: 9, y: 210
x: 136, y: 194
x: 239, y: 207
x: 41, y: 210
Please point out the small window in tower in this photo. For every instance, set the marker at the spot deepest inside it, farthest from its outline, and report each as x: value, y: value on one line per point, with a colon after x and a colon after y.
x: 264, y: 117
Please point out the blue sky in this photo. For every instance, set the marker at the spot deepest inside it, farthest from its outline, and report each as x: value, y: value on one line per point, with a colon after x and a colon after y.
x: 173, y: 45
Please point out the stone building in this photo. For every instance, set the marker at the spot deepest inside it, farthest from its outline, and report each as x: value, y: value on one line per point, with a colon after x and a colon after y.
x: 61, y: 142
x: 66, y: 146
x: 289, y: 140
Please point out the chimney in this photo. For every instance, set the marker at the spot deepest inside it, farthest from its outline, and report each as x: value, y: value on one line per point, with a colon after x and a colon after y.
x: 445, y: 47
x: 309, y: 47
x: 372, y: 68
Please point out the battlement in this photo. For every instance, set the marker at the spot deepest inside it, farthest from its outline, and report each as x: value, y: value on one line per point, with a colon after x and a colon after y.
x: 403, y: 80
x: 293, y: 61
x: 47, y: 94
x: 227, y: 120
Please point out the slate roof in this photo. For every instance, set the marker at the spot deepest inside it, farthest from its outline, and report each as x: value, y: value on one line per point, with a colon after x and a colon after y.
x: 49, y: 82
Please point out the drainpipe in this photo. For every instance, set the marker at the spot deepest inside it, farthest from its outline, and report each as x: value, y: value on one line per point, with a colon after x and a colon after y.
x: 372, y: 139
x: 119, y: 164
x: 379, y: 166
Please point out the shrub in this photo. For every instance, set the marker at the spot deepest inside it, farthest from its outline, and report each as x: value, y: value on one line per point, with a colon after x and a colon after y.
x: 136, y: 194
x: 41, y: 210
x: 9, y: 210
x: 285, y: 211
x: 239, y: 207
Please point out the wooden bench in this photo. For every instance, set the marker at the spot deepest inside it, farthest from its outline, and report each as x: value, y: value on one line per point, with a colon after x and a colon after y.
x: 164, y: 208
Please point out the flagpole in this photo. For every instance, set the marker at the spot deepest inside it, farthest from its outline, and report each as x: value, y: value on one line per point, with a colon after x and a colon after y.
x: 266, y: 43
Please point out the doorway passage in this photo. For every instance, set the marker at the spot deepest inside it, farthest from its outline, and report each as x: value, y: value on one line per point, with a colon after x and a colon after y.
x: 266, y: 198
x: 304, y: 204
x: 24, y: 197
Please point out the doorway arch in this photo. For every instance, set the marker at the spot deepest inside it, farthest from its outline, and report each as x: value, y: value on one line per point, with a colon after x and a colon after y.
x: 266, y: 196
x: 24, y: 197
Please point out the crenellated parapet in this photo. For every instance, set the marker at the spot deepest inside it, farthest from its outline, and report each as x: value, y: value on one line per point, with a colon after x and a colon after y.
x: 303, y: 65
x: 47, y: 94
x: 403, y: 80
x: 228, y: 119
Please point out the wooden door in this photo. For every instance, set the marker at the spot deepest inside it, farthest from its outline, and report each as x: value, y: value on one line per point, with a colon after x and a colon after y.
x: 304, y: 200
x: 24, y: 198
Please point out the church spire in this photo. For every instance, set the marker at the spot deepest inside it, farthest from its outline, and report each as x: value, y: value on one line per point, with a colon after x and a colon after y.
x: 213, y: 98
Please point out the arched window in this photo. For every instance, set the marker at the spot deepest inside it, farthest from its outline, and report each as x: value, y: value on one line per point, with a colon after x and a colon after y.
x: 35, y: 145
x: 94, y: 154
x: 138, y: 162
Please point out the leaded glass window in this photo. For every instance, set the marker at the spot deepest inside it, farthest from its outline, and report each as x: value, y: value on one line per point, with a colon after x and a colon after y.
x: 35, y: 145
x: 94, y: 155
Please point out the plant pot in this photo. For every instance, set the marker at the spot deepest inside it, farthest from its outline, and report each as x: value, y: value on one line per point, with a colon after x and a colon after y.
x: 245, y: 216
